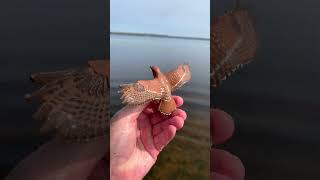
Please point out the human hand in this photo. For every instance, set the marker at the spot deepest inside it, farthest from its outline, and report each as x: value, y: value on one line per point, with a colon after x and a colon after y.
x: 224, y: 166
x: 137, y: 135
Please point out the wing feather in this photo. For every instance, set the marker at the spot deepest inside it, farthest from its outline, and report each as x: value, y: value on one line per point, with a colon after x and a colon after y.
x: 43, y: 78
x: 75, y: 105
x: 233, y: 43
x: 178, y: 76
x: 142, y: 91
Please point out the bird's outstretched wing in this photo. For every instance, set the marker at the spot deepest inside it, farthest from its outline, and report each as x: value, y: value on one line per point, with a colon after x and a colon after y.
x: 233, y: 43
x: 141, y: 92
x: 179, y: 76
x: 75, y: 103
x: 43, y: 78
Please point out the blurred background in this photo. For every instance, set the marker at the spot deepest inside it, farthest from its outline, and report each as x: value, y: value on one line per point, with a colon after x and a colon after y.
x: 167, y: 33
x: 275, y: 100
x: 40, y: 36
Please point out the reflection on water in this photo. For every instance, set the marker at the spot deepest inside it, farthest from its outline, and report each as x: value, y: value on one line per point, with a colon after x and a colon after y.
x: 187, y: 156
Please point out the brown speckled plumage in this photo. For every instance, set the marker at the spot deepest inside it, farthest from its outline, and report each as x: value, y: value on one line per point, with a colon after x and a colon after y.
x: 159, y: 88
x: 233, y: 43
x: 75, y: 102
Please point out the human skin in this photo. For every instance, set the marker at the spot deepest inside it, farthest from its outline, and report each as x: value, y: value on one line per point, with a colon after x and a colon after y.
x: 224, y: 166
x: 137, y: 135
x: 62, y: 160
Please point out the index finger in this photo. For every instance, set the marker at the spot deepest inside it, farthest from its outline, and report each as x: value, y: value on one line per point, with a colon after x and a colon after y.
x: 221, y: 127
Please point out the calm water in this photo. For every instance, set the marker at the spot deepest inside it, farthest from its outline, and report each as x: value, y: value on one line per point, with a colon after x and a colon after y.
x: 187, y: 156
x: 131, y: 57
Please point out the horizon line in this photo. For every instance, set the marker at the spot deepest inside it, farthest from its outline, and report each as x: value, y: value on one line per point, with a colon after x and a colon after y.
x: 157, y: 35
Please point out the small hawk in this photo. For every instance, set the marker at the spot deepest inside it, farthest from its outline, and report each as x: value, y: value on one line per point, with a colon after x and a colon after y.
x: 159, y: 88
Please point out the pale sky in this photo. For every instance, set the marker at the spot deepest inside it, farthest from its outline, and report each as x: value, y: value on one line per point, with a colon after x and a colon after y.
x: 172, y: 17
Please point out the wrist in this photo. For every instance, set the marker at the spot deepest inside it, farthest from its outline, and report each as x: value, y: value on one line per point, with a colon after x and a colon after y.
x: 125, y: 174
x: 117, y: 174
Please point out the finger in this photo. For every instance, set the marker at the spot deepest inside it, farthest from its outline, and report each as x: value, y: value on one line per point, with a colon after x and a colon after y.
x: 179, y: 101
x: 181, y: 113
x: 151, y: 108
x: 162, y: 139
x: 175, y: 121
x: 147, y: 140
x: 159, y: 117
x: 143, y: 121
x: 222, y: 126
x: 217, y: 176
x: 226, y: 164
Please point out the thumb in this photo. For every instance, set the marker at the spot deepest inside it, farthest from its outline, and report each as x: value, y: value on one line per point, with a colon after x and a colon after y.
x: 129, y: 112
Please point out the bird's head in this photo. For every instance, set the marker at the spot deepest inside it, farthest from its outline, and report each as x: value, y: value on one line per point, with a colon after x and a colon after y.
x: 155, y: 71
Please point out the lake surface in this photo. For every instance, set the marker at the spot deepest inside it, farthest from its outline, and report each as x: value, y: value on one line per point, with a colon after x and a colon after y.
x: 187, y: 155
x: 131, y: 57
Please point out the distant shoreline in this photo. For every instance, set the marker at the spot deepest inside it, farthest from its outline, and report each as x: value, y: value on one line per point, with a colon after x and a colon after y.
x: 158, y: 35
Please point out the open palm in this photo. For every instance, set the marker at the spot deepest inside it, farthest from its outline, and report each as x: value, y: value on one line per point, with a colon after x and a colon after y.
x: 137, y: 135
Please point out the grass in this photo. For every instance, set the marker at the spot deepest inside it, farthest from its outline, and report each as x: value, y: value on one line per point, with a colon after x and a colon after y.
x: 187, y: 156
